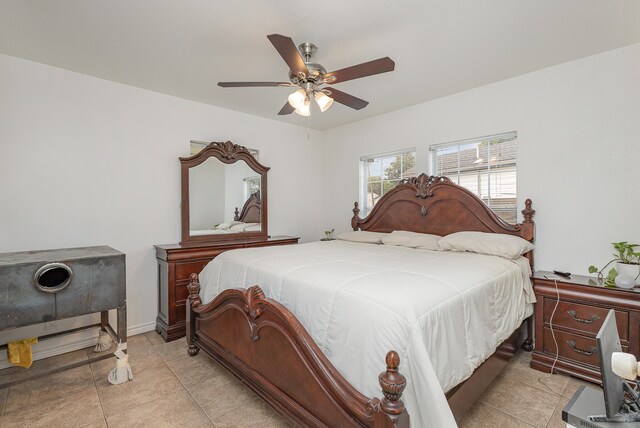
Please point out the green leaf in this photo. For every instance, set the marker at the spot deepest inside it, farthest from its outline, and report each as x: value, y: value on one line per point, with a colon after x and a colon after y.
x: 593, y: 269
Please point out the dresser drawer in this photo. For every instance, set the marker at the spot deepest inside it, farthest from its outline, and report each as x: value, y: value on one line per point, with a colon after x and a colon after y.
x: 573, y: 347
x: 582, y: 318
x: 181, y: 291
x: 184, y: 270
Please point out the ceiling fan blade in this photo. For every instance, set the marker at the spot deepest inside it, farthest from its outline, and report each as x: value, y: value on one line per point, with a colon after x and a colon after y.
x: 286, y: 109
x: 251, y: 84
x: 365, y: 69
x: 289, y: 52
x: 348, y: 100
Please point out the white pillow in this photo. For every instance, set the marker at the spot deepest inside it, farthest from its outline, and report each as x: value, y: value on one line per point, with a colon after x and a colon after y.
x: 362, y: 236
x: 238, y: 227
x: 254, y: 228
x: 494, y: 244
x: 223, y: 226
x: 403, y: 238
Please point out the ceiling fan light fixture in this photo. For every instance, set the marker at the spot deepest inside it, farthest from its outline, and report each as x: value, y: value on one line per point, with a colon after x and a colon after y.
x: 297, y: 99
x: 305, y: 108
x: 324, y: 101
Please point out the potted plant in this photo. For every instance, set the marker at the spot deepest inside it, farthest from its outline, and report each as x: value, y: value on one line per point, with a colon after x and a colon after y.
x: 627, y: 263
x: 328, y: 235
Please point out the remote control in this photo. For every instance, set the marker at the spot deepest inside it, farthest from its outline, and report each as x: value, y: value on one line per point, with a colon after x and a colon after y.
x: 565, y: 274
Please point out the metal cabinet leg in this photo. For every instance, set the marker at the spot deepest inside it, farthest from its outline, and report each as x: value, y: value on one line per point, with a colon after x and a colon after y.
x: 122, y: 325
x: 104, y: 320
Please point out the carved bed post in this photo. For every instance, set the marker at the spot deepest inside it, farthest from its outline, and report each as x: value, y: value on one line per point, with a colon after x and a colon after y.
x: 236, y: 216
x: 527, y: 214
x: 356, y: 218
x: 193, y: 301
x: 392, y: 412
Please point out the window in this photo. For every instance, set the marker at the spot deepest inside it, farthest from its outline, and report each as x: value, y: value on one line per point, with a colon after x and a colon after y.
x: 381, y: 173
x: 486, y: 166
x: 251, y: 186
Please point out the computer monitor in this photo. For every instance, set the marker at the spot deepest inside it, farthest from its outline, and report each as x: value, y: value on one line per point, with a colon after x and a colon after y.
x: 608, y: 342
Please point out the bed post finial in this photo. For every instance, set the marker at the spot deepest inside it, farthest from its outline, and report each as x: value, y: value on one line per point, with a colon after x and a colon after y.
x: 528, y: 212
x: 392, y: 383
x: 236, y: 216
x: 194, y: 290
x: 356, y: 218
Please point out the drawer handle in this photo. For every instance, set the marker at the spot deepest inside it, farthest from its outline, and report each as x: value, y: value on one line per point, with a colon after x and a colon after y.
x: 580, y: 351
x: 583, y: 320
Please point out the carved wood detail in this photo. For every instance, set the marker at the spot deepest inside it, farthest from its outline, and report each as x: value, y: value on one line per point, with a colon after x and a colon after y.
x: 528, y: 212
x: 226, y: 152
x: 322, y: 395
x: 392, y: 383
x: 423, y: 183
x: 436, y: 205
x: 250, y: 212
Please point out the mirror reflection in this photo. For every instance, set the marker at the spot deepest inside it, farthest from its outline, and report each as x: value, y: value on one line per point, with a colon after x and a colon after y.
x: 223, y: 198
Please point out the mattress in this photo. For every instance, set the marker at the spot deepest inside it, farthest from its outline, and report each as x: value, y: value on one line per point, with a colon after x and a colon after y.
x: 444, y: 312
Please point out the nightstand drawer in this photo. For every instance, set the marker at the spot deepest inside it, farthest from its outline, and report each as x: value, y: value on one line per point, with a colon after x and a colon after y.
x: 582, y: 318
x: 573, y: 347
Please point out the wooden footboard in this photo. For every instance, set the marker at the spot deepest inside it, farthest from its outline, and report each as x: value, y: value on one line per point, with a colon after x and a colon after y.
x: 264, y: 345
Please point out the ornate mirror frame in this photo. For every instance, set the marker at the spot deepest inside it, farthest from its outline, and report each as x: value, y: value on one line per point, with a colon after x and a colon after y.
x: 227, y: 153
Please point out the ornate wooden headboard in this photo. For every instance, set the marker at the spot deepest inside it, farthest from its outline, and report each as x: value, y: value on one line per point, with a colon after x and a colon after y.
x: 250, y: 211
x: 430, y: 204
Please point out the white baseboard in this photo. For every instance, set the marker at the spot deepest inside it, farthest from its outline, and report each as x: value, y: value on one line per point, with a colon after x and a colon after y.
x: 73, y: 342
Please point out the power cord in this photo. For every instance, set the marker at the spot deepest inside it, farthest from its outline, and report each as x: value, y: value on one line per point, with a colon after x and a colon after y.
x: 553, y: 335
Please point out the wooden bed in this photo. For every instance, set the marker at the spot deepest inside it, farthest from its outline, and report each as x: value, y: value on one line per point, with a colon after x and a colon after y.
x: 263, y: 344
x: 250, y: 212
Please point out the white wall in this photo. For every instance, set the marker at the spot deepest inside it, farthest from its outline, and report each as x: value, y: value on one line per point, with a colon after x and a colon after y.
x: 84, y: 161
x: 578, y: 128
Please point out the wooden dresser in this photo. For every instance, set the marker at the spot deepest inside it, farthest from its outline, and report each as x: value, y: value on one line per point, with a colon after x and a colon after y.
x: 583, y: 306
x: 176, y: 263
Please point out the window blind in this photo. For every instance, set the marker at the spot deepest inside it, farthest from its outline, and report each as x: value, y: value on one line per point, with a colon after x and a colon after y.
x: 486, y: 166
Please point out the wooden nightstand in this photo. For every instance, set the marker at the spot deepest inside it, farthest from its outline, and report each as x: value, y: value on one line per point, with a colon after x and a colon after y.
x: 584, y: 304
x: 175, y: 265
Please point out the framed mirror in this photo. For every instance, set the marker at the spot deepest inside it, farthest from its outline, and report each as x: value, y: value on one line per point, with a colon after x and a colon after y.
x: 224, y: 195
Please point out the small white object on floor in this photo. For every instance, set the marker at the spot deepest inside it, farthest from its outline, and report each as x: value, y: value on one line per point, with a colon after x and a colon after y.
x: 104, y: 342
x: 122, y: 371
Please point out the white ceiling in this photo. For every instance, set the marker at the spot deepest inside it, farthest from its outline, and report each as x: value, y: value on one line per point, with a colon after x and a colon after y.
x: 185, y: 47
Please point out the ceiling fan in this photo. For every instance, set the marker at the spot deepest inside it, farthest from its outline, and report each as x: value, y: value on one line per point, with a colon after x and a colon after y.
x: 309, y: 77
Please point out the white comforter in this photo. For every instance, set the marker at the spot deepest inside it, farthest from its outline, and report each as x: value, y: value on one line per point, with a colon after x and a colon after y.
x: 443, y: 312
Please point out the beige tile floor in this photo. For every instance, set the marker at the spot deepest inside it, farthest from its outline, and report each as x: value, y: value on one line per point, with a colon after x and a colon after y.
x: 171, y: 389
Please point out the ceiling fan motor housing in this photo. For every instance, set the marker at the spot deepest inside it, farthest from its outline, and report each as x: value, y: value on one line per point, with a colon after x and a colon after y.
x: 316, y: 71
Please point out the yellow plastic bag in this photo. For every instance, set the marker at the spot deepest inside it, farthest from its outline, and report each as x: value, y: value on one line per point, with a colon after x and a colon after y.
x: 19, y: 352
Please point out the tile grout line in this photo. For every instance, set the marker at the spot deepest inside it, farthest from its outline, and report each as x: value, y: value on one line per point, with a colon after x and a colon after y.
x: 548, y: 391
x: 187, y: 390
x: 509, y: 414
x: 6, y: 398
x: 140, y: 404
x: 95, y: 385
x: 554, y: 411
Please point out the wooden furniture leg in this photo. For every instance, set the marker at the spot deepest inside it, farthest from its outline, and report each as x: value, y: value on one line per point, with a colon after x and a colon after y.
x: 528, y: 343
x: 193, y: 301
